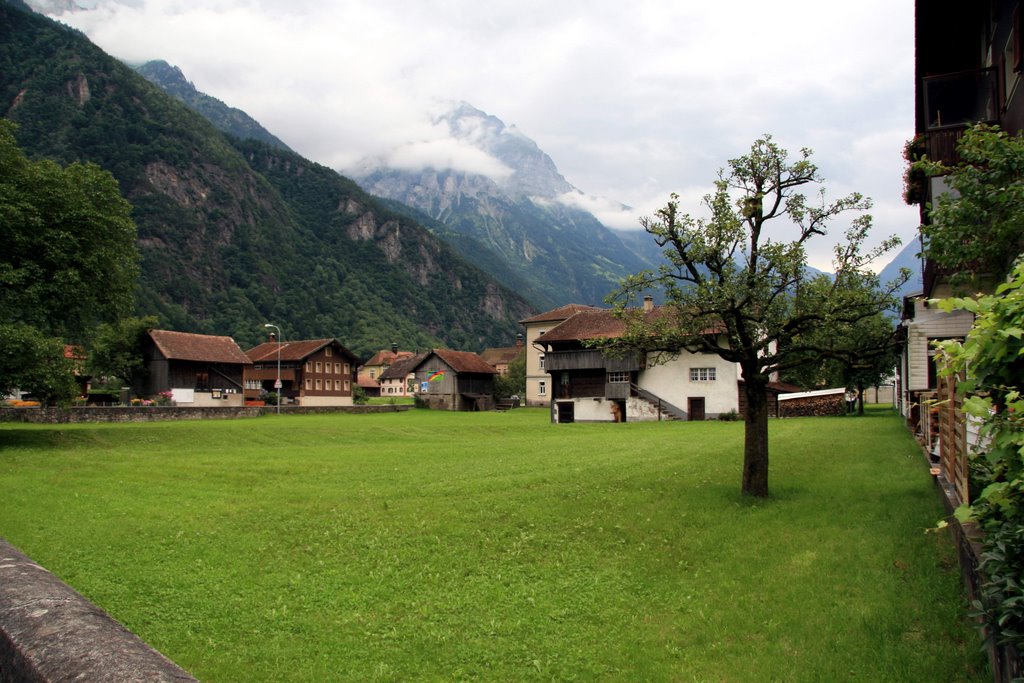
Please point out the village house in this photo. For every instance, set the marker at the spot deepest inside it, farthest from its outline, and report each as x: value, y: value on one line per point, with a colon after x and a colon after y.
x: 968, y: 70
x: 382, y: 360
x: 537, y: 378
x: 197, y: 369
x: 455, y: 380
x: 399, y: 380
x: 588, y: 385
x: 500, y: 357
x: 314, y: 372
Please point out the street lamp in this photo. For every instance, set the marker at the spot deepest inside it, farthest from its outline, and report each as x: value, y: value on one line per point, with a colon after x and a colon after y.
x: 277, y: 384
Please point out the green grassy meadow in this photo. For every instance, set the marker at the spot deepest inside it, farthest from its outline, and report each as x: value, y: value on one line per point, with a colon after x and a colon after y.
x: 439, y: 546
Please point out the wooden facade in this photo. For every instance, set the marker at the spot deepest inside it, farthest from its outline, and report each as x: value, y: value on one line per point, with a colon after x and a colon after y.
x: 455, y: 380
x: 198, y: 369
x: 314, y: 372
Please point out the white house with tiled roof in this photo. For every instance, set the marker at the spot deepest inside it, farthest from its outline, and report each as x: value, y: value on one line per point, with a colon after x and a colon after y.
x: 587, y: 385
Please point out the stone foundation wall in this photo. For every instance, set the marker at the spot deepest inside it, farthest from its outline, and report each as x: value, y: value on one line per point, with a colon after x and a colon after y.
x: 159, y: 413
x: 50, y: 633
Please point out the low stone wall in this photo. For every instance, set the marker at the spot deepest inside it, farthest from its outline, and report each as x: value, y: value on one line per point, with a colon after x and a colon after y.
x: 160, y: 413
x: 50, y: 633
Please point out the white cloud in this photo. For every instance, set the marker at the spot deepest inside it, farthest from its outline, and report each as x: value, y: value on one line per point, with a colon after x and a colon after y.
x: 631, y: 100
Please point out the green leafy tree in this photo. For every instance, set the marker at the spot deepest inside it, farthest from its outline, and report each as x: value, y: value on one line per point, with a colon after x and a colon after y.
x: 978, y: 231
x: 514, y: 382
x: 733, y: 290
x: 69, y: 259
x: 34, y: 363
x: 117, y: 347
x: 991, y: 359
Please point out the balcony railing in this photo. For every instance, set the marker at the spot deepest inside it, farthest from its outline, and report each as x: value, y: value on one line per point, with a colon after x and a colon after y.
x: 961, y: 99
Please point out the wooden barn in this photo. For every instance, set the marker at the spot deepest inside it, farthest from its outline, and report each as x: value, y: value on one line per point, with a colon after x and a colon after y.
x: 198, y: 369
x: 455, y: 380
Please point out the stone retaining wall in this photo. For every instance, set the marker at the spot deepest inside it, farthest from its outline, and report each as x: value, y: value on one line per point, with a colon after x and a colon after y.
x: 50, y: 633
x: 159, y: 413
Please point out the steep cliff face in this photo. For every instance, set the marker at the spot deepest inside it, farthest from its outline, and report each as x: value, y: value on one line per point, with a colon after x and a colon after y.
x: 234, y: 233
x: 563, y: 253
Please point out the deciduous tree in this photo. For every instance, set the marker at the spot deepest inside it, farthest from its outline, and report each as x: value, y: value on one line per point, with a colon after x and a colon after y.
x: 734, y: 290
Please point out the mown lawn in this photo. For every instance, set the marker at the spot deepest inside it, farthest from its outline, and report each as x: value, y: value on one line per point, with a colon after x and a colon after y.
x: 438, y: 546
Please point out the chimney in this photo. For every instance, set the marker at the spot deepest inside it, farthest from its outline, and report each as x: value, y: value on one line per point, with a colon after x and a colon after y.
x: 648, y: 303
x: 519, y: 340
x: 394, y: 347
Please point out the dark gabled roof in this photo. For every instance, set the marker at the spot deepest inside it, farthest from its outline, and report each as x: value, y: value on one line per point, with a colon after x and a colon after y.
x: 560, y: 313
x: 402, y: 368
x: 503, y: 354
x: 293, y: 351
x: 198, y: 347
x: 602, y: 323
x: 462, y: 361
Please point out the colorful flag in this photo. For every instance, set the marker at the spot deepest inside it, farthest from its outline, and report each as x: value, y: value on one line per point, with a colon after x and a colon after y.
x: 436, y: 376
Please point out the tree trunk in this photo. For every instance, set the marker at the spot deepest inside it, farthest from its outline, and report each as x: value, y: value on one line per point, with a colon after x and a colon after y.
x: 755, y: 448
x: 860, y: 399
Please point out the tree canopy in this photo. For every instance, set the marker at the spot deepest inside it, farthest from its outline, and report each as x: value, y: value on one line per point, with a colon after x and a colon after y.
x: 734, y: 290
x: 69, y: 260
x: 978, y: 229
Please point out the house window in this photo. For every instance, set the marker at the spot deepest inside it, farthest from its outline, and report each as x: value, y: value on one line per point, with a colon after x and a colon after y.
x: 337, y: 368
x: 327, y: 368
x: 702, y: 374
x: 542, y: 388
x: 309, y: 366
x: 373, y: 374
x: 328, y: 351
x: 346, y: 385
x: 348, y: 369
x: 618, y: 377
x: 309, y: 384
x: 319, y: 366
x: 542, y: 361
x: 319, y: 386
x: 337, y: 385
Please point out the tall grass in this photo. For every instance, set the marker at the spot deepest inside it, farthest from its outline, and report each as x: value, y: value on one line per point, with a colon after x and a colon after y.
x: 427, y: 545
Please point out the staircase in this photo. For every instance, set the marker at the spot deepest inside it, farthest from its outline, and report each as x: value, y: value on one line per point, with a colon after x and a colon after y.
x: 666, y: 411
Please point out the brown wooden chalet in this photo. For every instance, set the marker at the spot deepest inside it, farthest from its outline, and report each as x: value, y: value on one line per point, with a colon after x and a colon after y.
x: 198, y: 369
x: 455, y: 380
x: 314, y: 372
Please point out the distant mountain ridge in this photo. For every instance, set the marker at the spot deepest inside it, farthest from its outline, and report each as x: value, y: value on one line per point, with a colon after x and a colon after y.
x: 519, y: 212
x: 234, y: 233
x: 225, y: 118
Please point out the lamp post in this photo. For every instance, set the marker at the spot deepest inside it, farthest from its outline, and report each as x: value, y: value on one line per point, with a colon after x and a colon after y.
x: 277, y: 384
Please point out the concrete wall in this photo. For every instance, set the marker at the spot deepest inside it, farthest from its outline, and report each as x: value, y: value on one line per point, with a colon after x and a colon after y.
x: 50, y: 633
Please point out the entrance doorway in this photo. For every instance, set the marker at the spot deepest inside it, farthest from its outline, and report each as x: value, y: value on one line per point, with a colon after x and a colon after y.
x: 695, y: 408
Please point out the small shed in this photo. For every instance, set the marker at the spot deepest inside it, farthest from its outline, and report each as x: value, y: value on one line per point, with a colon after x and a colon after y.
x: 455, y: 380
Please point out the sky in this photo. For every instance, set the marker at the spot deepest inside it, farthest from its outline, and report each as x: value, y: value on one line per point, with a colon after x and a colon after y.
x: 632, y: 101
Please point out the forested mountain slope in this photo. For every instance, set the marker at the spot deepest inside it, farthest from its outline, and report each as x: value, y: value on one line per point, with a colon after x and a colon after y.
x: 233, y: 233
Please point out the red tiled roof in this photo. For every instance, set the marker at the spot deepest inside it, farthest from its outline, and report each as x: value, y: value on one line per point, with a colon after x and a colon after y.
x: 366, y: 383
x: 293, y: 351
x: 560, y: 313
x: 504, y: 354
x: 600, y: 323
x: 464, y: 361
x: 198, y: 347
x: 387, y: 357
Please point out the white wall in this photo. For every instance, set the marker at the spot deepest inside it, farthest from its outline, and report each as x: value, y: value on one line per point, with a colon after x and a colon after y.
x: 325, y: 401
x: 671, y: 382
x: 930, y: 323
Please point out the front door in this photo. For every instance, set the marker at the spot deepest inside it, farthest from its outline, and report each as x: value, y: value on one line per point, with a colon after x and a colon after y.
x: 696, y: 408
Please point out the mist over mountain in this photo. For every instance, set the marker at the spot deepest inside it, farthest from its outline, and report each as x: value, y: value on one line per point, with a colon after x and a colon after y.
x: 511, y: 199
x: 234, y: 233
